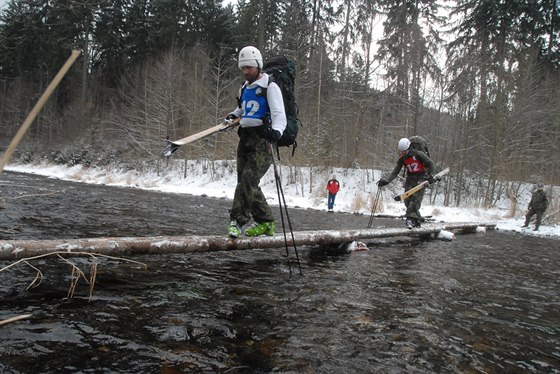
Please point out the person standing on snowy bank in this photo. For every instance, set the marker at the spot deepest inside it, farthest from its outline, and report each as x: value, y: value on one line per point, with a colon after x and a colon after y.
x: 332, y: 188
x: 537, y: 206
x: 418, y: 167
x: 262, y: 121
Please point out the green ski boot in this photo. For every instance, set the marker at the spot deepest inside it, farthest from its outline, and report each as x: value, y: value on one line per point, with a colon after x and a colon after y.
x: 263, y: 228
x: 233, y: 229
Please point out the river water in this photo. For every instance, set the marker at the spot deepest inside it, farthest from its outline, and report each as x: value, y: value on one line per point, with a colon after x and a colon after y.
x: 484, y: 303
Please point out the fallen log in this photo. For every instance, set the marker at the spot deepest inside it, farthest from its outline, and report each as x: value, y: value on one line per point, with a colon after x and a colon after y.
x: 115, y: 246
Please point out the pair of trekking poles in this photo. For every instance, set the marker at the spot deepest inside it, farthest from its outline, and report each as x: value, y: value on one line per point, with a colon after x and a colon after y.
x: 282, y: 202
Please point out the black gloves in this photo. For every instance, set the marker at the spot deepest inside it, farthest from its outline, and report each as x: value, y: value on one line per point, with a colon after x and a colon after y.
x: 430, y: 179
x: 229, y: 118
x: 382, y: 182
x: 268, y: 133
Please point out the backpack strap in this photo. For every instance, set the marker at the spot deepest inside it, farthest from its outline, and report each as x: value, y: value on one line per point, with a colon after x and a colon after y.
x: 294, y: 146
x: 239, y: 98
x: 264, y: 92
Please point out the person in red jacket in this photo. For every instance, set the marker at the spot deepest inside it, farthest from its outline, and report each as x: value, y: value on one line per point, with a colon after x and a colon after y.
x: 332, y: 188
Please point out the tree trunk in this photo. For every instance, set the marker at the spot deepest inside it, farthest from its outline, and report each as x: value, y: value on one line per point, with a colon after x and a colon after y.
x: 127, y: 246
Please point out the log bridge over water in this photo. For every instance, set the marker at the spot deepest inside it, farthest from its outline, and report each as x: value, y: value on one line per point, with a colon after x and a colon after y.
x: 126, y: 246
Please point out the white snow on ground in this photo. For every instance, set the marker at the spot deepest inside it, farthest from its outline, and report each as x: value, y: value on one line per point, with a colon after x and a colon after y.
x: 357, y: 190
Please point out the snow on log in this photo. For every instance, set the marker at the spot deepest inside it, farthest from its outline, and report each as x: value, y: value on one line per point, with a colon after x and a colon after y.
x: 115, y: 246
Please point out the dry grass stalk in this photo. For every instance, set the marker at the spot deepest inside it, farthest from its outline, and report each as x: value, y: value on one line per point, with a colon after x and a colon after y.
x: 38, y: 277
x: 372, y: 203
x: 514, y: 202
x: 92, y: 275
x: 358, y: 203
x: 75, y: 277
x: 77, y: 273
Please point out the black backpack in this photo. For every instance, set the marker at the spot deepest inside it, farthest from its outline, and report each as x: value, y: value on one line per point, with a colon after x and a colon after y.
x: 419, y: 143
x: 282, y: 71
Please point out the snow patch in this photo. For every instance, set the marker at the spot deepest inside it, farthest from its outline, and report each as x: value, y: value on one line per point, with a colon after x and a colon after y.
x: 356, y: 246
x: 17, y: 250
x: 165, y: 243
x: 113, y: 244
x: 68, y: 247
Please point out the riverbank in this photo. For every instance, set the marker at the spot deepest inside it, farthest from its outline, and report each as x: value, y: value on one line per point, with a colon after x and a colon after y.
x: 357, y: 191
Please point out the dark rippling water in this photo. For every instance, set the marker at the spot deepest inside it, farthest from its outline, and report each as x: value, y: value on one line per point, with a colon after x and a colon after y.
x: 484, y: 303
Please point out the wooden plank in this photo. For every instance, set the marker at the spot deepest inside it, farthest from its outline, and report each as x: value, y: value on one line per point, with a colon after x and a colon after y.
x: 126, y: 246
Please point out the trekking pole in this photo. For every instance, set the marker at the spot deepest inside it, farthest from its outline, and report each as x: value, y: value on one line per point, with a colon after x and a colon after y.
x: 282, y: 200
x: 374, y: 207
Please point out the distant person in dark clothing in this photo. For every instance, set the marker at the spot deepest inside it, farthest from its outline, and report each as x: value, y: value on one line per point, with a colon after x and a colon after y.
x: 332, y: 188
x: 537, y: 206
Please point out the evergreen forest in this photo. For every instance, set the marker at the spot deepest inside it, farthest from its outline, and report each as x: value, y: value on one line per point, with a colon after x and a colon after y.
x: 479, y: 79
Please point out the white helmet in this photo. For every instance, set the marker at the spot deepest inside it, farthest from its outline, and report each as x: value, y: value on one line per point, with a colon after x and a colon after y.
x: 404, y: 144
x: 250, y: 56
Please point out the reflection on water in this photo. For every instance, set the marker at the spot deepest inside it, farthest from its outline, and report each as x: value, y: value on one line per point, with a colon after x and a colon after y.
x: 481, y: 304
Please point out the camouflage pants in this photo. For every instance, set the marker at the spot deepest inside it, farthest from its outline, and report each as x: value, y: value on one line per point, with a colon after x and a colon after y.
x: 414, y: 202
x: 538, y: 212
x: 253, y: 160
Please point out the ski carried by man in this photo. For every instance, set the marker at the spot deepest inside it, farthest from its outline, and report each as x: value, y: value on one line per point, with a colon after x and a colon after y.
x: 172, y: 146
x: 412, y: 191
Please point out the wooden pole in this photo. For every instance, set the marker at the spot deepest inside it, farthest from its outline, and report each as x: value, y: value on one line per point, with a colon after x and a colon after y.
x: 17, y: 249
x: 14, y: 319
x: 37, y: 108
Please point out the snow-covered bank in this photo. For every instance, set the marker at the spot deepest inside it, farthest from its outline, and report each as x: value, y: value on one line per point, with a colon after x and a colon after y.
x: 357, y: 190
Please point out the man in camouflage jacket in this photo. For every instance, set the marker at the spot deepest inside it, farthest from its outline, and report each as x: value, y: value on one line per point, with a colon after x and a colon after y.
x: 418, y: 167
x: 537, y: 206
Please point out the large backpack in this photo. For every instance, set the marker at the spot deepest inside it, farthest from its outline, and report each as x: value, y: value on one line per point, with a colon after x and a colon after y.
x: 419, y: 143
x: 282, y: 71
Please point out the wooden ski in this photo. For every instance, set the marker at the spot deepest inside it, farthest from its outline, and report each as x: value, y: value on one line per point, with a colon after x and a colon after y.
x: 172, y: 146
x: 412, y: 191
